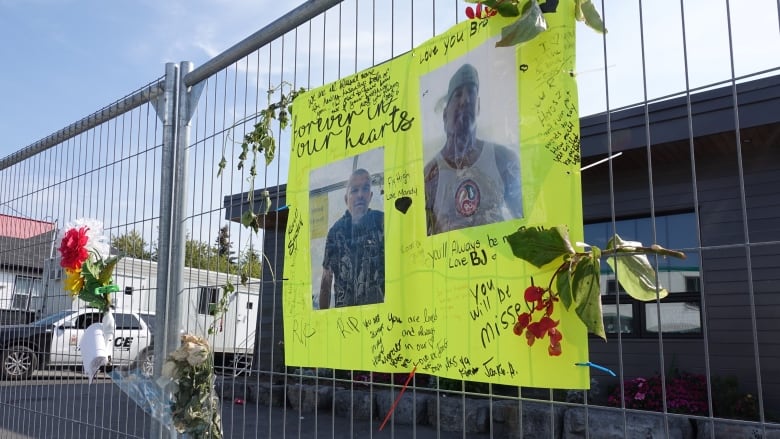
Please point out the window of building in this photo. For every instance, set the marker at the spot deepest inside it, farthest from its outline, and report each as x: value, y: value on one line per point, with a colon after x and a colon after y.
x: 692, y: 284
x: 679, y: 314
x: 208, y: 300
x: 25, y: 289
x: 614, y: 287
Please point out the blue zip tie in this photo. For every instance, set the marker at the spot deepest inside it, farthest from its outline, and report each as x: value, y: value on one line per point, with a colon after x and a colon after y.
x: 282, y: 208
x: 596, y: 366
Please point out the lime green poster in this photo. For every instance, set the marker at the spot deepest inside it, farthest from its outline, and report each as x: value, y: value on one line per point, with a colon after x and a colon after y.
x: 405, y: 180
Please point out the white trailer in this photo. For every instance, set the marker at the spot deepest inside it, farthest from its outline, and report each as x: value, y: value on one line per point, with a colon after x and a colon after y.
x: 233, y: 335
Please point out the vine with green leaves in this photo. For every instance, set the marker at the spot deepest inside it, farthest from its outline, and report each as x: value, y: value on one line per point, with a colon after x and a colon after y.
x: 260, y: 142
x: 259, y: 145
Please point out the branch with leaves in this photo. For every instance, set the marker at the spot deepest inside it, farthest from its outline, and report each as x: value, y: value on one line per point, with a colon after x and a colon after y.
x: 576, y: 280
x: 261, y: 141
x: 256, y: 143
x: 530, y: 20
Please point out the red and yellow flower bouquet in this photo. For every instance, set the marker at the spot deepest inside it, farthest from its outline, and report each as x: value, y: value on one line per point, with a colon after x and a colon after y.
x: 87, y: 262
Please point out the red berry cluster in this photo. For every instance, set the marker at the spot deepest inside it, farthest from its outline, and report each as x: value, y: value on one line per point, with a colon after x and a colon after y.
x: 539, y: 301
x: 479, y: 12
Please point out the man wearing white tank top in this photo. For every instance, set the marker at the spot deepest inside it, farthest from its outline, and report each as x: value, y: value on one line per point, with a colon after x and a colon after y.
x: 470, y: 182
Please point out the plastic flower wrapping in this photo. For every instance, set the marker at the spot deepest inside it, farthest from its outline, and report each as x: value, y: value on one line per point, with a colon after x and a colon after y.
x: 184, y: 396
x: 85, y: 257
x: 189, y: 371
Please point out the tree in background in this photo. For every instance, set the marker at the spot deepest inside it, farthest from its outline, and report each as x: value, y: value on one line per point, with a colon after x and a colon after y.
x: 132, y: 245
x: 198, y: 254
x: 204, y: 256
x: 224, y: 245
x: 251, y: 263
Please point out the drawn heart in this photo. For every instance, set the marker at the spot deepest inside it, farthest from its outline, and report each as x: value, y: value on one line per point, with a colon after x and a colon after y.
x: 402, y: 204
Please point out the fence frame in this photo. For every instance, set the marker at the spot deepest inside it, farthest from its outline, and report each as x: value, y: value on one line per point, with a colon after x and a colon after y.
x: 176, y: 96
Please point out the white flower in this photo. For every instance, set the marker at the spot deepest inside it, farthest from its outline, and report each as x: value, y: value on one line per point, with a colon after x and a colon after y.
x: 197, y: 355
x: 189, y: 338
x: 180, y: 354
x: 169, y: 369
x: 98, y: 245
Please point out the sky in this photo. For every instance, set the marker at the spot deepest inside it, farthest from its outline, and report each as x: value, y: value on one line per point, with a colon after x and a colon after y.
x: 65, y: 59
x: 653, y: 55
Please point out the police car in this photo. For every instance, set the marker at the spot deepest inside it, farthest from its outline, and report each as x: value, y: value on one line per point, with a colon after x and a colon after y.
x: 53, y: 342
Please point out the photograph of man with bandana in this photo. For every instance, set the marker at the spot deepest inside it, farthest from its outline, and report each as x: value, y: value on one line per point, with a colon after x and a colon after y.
x: 471, y: 181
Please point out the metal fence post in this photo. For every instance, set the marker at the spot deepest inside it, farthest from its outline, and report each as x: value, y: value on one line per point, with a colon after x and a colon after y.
x: 177, y: 105
x: 166, y: 331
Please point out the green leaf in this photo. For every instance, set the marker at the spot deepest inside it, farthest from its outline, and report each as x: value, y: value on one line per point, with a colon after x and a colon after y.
x: 89, y: 293
x: 108, y: 270
x: 506, y: 9
x: 266, y: 206
x: 587, y: 12
x: 221, y: 166
x: 92, y: 300
x: 586, y: 293
x: 91, y: 274
x: 525, y: 28
x: 634, y: 272
x: 249, y: 219
x: 540, y: 246
x: 270, y: 150
x: 563, y: 284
